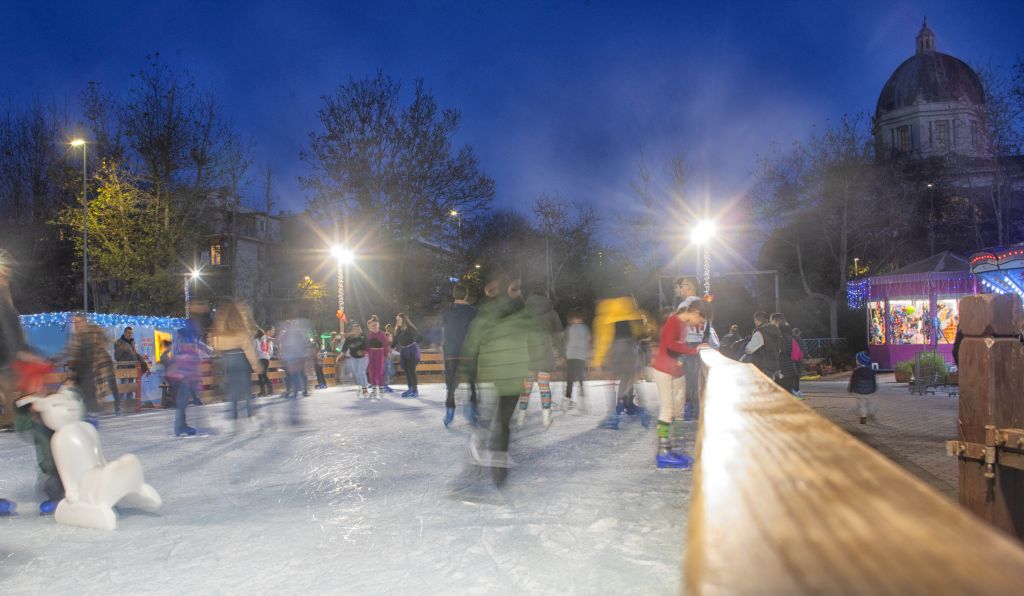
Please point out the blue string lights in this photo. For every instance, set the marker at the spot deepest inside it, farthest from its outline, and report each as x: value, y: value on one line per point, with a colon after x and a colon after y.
x: 857, y: 293
x: 47, y: 319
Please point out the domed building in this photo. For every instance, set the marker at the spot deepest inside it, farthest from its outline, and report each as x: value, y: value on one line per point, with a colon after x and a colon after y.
x: 932, y: 105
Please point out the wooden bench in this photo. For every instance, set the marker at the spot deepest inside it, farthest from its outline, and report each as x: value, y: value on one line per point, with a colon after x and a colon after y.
x: 785, y: 502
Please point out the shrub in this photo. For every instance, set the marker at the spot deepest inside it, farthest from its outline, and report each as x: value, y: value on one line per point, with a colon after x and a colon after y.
x: 935, y: 361
x: 905, y: 366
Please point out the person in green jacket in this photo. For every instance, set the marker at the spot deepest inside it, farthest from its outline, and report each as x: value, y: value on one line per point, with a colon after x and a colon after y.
x: 497, y: 355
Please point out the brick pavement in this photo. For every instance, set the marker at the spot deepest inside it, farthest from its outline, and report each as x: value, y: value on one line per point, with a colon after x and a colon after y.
x: 911, y: 430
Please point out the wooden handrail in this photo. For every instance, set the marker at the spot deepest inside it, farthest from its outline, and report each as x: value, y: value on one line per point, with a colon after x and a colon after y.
x: 785, y: 502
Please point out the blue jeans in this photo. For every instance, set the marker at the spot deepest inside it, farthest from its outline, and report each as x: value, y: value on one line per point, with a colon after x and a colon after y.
x: 358, y: 367
x: 239, y: 380
x: 184, y: 391
x: 691, y: 368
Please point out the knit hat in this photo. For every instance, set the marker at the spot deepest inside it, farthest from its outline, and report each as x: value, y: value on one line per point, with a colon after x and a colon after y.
x: 863, y: 359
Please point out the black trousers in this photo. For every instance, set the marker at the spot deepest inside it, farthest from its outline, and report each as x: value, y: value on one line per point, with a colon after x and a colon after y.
x: 266, y: 387
x: 451, y: 382
x: 575, y: 372
x: 409, y: 366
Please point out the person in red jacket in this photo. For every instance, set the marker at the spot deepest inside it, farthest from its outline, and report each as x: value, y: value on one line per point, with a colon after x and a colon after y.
x: 670, y: 378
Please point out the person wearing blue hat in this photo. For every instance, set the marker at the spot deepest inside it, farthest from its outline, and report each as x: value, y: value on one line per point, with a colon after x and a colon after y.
x: 862, y: 383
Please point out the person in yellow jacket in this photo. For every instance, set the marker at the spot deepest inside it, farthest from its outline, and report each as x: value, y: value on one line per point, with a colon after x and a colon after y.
x: 619, y: 326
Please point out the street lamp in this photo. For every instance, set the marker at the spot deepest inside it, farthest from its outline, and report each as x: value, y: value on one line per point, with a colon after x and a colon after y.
x: 456, y: 214
x: 343, y: 256
x: 931, y: 218
x: 701, y: 235
x: 85, y: 224
x: 190, y: 277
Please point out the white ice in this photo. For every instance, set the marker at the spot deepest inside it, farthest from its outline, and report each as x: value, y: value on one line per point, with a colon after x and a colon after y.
x: 358, y: 502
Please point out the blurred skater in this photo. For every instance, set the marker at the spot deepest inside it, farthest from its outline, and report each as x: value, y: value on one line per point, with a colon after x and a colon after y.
x: 619, y: 325
x: 496, y: 354
x: 263, y: 348
x: 457, y: 319
x: 577, y: 352
x: 318, y: 367
x: 407, y: 342
x: 294, y: 351
x: 89, y: 364
x: 230, y: 337
x: 183, y: 375
x: 545, y: 333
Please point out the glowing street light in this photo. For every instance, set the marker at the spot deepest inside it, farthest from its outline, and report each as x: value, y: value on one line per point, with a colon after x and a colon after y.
x: 458, y: 216
x: 190, y: 277
x: 79, y: 142
x: 701, y: 235
x: 344, y: 257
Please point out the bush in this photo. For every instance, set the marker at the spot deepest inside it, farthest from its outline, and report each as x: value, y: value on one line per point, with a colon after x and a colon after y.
x: 905, y: 366
x: 934, y: 361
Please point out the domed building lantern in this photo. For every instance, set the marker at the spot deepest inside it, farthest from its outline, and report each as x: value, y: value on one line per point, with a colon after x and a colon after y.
x: 932, y: 105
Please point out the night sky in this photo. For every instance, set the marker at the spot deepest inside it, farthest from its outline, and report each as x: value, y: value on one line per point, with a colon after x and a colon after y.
x: 557, y: 97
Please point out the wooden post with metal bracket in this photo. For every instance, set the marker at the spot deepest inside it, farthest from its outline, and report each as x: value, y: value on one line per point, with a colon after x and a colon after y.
x: 990, y: 445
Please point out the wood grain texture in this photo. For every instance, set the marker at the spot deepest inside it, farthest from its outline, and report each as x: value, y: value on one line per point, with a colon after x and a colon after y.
x: 999, y: 315
x: 785, y: 502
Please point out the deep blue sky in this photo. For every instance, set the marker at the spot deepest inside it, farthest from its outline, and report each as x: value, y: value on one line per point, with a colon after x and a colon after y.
x: 556, y: 96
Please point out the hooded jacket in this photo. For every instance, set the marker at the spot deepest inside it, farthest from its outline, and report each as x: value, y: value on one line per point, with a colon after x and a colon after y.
x: 619, y: 313
x: 496, y: 348
x: 766, y: 358
x: 547, y: 330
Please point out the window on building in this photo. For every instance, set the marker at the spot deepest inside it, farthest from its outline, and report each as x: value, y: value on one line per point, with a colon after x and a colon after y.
x: 940, y: 134
x: 901, y: 139
x: 215, y: 253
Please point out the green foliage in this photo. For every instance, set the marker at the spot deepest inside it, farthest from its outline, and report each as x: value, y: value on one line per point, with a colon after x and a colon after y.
x: 905, y: 366
x: 134, y: 242
x: 934, y: 361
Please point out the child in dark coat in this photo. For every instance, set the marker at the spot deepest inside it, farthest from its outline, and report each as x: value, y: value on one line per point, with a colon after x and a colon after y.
x: 862, y: 383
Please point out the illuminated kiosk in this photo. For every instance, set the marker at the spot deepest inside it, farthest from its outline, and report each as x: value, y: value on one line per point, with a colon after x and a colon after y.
x: 1000, y: 270
x: 914, y: 308
x: 48, y: 333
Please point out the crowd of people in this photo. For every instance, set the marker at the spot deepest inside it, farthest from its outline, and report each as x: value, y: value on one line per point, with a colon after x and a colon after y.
x: 497, y: 348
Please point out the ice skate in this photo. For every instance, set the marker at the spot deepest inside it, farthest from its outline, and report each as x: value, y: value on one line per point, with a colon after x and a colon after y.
x: 673, y: 460
x: 449, y: 415
x: 8, y: 508
x: 521, y: 418
x: 568, y: 404
x: 48, y: 507
x: 611, y: 422
x: 545, y: 417
x: 469, y: 411
x: 667, y: 458
x: 645, y: 418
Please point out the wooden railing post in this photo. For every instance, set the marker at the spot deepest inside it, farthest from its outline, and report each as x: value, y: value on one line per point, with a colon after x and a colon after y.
x: 990, y: 429
x: 785, y: 502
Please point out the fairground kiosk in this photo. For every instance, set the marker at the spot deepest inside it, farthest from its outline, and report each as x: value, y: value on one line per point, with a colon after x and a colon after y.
x: 913, y: 309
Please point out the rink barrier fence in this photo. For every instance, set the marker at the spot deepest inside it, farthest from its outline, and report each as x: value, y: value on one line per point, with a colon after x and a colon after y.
x: 785, y: 502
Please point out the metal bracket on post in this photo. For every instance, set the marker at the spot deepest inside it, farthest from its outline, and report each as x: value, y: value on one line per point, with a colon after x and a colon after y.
x: 1003, y: 446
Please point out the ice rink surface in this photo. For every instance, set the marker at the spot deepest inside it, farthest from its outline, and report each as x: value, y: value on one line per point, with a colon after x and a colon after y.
x: 359, y: 501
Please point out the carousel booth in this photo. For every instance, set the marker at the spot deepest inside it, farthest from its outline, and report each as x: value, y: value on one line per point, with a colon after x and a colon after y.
x: 1000, y: 270
x: 48, y: 333
x: 913, y: 309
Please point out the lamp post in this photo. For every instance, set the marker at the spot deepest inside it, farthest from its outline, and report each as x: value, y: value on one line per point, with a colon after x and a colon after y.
x: 189, y: 278
x: 343, y: 256
x: 931, y: 218
x: 701, y: 235
x: 85, y: 224
x: 458, y: 216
